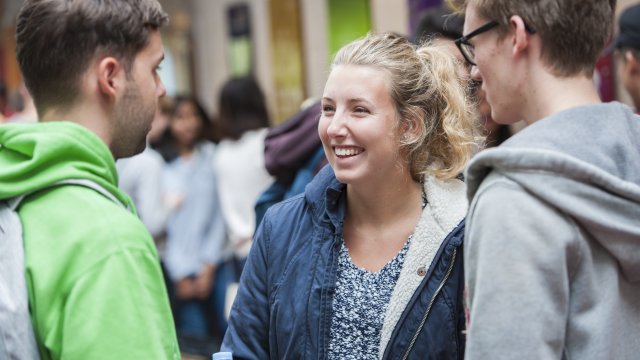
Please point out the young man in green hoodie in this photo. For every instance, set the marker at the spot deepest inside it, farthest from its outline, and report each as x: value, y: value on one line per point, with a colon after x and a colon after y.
x: 93, y: 276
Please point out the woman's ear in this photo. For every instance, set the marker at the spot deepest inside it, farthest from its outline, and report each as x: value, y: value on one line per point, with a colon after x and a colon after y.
x: 410, y: 129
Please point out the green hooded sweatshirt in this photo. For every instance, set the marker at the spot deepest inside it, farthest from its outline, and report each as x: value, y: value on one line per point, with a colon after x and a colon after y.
x: 93, y: 274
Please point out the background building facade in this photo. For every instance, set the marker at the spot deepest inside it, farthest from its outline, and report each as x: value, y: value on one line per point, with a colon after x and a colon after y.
x: 286, y: 44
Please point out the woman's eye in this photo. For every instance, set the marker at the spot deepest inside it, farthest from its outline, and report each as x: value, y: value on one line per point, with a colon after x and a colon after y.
x: 327, y: 108
x: 360, y: 109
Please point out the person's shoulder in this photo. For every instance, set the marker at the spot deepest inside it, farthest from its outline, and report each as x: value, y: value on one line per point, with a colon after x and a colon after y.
x: 154, y: 157
x: 289, y: 217
x: 495, y: 183
x: 281, y: 212
x: 86, y: 213
x: 500, y: 199
x: 77, y: 228
x: 206, y: 147
x: 147, y: 159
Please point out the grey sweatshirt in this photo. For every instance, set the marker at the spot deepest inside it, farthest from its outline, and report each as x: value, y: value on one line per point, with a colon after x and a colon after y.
x: 552, y: 249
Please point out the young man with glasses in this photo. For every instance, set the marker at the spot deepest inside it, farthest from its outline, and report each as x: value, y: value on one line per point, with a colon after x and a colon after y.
x: 552, y: 250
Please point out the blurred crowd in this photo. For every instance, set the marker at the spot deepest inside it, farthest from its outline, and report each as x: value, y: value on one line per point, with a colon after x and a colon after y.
x: 203, y: 184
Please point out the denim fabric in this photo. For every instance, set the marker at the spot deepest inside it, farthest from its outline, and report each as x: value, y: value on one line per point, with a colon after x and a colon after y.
x: 201, y: 318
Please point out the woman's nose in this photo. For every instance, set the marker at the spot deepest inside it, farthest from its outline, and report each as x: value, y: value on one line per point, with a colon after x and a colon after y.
x: 337, y: 126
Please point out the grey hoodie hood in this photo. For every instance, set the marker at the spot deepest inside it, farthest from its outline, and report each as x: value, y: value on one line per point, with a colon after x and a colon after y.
x: 593, y: 180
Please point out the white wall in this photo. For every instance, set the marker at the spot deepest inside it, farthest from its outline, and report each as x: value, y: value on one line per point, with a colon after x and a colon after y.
x: 209, y: 25
x: 315, y: 45
x: 209, y: 29
x: 385, y: 15
x: 390, y: 16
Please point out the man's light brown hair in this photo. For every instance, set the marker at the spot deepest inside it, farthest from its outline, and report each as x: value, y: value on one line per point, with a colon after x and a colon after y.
x: 57, y: 39
x: 573, y: 32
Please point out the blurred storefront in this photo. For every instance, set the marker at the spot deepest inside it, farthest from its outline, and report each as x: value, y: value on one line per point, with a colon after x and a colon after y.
x: 286, y: 44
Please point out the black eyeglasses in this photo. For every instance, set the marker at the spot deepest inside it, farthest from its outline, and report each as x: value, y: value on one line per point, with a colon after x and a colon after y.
x: 468, y: 50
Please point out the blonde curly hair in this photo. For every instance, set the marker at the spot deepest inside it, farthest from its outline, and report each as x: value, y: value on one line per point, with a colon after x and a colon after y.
x: 428, y: 94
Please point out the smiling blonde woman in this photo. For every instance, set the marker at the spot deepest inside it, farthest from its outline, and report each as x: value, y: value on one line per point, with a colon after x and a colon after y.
x: 367, y: 263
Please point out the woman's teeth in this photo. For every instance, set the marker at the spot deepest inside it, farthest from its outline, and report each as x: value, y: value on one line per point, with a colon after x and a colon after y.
x: 347, y: 152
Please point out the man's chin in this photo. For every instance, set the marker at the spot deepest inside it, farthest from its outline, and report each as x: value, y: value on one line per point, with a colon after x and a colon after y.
x: 132, y: 151
x: 141, y: 147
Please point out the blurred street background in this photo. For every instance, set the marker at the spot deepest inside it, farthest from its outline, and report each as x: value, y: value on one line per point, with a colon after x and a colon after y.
x: 285, y: 44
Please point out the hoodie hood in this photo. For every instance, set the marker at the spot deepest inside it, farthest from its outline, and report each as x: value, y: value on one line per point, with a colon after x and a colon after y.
x: 585, y: 162
x: 35, y: 156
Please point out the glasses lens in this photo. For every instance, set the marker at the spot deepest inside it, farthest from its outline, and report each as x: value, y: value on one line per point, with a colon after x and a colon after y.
x: 469, y: 52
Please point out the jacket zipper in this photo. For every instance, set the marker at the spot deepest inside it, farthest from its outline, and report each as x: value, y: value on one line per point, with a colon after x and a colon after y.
x: 433, y: 298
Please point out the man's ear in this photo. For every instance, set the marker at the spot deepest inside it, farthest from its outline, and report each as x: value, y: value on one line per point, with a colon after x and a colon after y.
x: 632, y: 63
x: 111, y: 77
x: 520, y: 36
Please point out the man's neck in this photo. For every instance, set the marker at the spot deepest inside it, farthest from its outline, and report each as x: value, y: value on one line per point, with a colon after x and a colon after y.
x: 550, y: 94
x: 85, y: 115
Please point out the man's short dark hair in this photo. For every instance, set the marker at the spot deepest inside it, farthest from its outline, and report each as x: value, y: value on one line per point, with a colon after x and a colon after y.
x: 56, y: 40
x: 573, y: 32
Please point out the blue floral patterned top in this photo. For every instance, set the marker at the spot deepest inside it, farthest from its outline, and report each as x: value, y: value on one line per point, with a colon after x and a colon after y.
x: 360, y: 304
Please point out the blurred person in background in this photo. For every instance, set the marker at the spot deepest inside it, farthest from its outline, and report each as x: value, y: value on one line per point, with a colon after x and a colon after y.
x: 141, y: 176
x: 442, y: 26
x: 293, y: 155
x: 627, y: 45
x: 92, y: 272
x: 240, y: 163
x: 367, y: 263
x: 23, y: 109
x: 195, y: 231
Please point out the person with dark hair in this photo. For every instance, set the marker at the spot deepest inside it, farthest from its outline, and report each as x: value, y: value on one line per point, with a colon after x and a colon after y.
x: 627, y: 45
x: 95, y: 287
x: 438, y: 22
x: 195, y: 231
x: 242, y: 107
x: 293, y: 155
x: 367, y: 263
x: 240, y: 166
x: 552, y: 257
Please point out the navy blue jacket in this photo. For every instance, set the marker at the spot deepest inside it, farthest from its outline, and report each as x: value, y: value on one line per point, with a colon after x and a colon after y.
x: 283, y: 307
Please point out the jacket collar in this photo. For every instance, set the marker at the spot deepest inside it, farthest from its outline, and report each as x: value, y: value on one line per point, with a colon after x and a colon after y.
x: 324, y: 194
x: 446, y: 208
